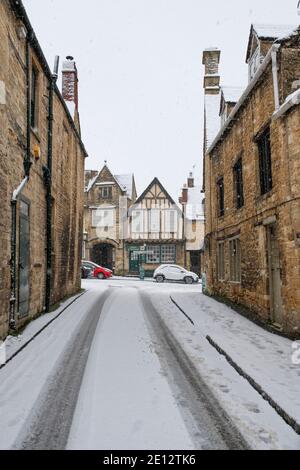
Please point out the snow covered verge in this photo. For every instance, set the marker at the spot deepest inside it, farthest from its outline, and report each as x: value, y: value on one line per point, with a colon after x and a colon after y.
x: 13, y: 344
x: 263, y: 355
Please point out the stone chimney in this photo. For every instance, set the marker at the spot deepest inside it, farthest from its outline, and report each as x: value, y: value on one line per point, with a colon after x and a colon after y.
x: 191, y: 181
x: 211, y: 61
x: 70, y: 83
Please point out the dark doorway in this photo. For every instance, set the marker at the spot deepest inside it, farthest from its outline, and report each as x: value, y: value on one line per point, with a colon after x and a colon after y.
x: 103, y: 255
x: 24, y: 250
x: 134, y: 263
x: 196, y: 262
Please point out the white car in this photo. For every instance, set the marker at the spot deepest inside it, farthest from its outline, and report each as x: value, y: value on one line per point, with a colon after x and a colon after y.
x: 172, y: 272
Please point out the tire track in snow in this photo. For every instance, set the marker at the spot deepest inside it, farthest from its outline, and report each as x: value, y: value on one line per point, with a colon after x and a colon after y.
x: 51, y: 422
x: 209, y: 425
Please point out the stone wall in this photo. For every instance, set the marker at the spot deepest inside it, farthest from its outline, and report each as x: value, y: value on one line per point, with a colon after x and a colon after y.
x: 281, y: 204
x: 68, y: 171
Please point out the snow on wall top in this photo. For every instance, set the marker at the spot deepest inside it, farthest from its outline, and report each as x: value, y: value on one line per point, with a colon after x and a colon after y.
x: 269, y: 31
x: 212, y: 118
x: 232, y: 94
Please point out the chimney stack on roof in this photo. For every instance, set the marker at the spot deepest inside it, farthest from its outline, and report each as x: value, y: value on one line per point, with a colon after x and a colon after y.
x: 70, y: 83
x: 211, y: 61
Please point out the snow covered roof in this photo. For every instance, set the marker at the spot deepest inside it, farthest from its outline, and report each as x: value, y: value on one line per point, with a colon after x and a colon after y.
x: 92, y: 182
x: 126, y: 183
x: 271, y: 31
x: 232, y: 94
x: 212, y: 119
x: 194, y: 204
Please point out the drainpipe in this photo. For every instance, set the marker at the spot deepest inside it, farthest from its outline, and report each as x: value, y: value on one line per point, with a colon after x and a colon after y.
x: 275, y: 77
x: 17, y: 193
x: 47, y: 170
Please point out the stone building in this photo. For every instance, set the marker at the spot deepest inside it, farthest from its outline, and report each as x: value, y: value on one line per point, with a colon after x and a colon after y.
x: 107, y: 198
x: 192, y: 202
x: 41, y: 176
x: 155, y: 228
x: 252, y: 174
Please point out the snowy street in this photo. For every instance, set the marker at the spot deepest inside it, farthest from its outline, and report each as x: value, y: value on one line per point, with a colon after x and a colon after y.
x: 124, y: 368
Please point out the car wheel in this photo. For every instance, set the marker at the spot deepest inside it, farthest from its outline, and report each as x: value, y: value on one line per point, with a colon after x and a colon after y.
x: 100, y: 276
x: 160, y: 279
x: 189, y: 280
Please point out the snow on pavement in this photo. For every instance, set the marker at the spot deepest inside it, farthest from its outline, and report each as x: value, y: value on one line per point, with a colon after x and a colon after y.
x: 266, y: 357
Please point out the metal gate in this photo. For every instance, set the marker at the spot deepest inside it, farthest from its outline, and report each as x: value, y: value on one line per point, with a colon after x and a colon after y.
x: 24, y: 259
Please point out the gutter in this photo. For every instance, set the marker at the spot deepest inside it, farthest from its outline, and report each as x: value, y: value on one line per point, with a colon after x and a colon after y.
x: 269, y: 57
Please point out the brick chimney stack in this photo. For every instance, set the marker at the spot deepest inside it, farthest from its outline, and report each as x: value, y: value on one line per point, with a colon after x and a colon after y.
x: 184, y: 197
x: 211, y: 61
x: 70, y: 81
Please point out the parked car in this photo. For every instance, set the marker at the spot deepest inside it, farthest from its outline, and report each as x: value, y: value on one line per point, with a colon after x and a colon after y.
x: 97, y: 271
x: 171, y: 272
x: 85, y: 272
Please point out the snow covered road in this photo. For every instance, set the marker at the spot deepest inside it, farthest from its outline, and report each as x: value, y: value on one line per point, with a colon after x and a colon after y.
x: 123, y: 368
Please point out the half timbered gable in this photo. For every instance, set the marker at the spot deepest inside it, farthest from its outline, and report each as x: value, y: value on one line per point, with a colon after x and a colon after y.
x: 155, y: 215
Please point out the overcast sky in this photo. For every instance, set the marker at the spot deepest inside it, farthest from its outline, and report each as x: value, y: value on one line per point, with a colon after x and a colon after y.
x: 141, y: 74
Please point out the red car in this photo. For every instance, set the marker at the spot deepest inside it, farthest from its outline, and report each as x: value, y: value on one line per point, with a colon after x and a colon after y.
x: 97, y: 271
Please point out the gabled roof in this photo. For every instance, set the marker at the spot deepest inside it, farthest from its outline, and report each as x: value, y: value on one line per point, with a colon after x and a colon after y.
x: 268, y: 32
x: 125, y: 182
x: 154, y: 182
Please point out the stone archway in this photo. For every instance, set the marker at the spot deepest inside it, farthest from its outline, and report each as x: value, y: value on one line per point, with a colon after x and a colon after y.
x: 104, y: 255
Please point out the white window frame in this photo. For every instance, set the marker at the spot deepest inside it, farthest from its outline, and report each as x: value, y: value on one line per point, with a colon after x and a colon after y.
x: 153, y: 258
x: 164, y: 254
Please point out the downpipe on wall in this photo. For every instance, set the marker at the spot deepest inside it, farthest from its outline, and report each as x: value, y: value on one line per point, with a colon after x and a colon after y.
x: 275, y: 49
x: 47, y: 170
x: 17, y: 193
